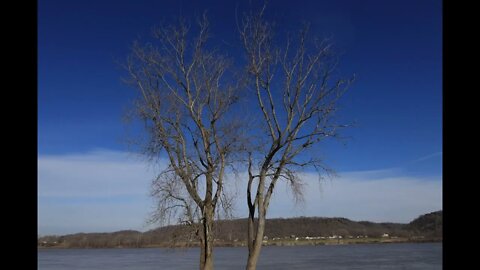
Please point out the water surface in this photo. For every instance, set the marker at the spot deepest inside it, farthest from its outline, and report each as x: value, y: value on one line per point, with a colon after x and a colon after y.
x: 425, y: 256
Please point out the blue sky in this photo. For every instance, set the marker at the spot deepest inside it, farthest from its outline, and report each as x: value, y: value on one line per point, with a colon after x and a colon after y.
x: 394, y: 48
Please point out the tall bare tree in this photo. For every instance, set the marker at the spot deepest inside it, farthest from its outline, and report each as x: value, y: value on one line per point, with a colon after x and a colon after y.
x: 185, y: 96
x: 296, y: 93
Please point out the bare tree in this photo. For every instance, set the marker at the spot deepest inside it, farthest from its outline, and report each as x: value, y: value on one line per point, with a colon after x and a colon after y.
x: 297, y: 94
x: 186, y: 96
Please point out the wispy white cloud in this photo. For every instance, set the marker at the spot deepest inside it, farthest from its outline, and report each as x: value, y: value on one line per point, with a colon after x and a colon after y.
x: 436, y: 154
x: 106, y: 216
x: 376, y: 195
x: 108, y: 190
x: 382, y: 199
x: 97, y: 191
x: 94, y: 174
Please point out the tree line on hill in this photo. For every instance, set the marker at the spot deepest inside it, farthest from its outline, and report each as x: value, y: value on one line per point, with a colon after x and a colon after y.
x: 227, y: 232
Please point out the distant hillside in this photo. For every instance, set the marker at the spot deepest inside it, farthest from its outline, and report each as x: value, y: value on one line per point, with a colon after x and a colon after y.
x: 230, y: 232
x: 429, y: 225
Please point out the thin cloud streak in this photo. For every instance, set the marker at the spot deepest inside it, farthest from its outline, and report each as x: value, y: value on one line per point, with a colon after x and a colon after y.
x: 436, y: 154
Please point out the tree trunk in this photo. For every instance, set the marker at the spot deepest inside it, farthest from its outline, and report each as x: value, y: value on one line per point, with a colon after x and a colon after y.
x: 206, y: 242
x: 256, y: 245
x: 256, y: 235
x: 251, y: 233
x: 202, y: 252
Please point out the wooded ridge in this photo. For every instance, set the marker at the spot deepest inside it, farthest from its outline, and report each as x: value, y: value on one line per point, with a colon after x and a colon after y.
x: 279, y: 231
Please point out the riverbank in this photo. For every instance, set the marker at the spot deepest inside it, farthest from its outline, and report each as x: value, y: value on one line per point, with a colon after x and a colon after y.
x: 277, y: 242
x: 279, y: 232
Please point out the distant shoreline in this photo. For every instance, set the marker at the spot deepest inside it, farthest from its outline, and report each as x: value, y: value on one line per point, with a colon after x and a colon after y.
x: 280, y: 243
x: 280, y: 232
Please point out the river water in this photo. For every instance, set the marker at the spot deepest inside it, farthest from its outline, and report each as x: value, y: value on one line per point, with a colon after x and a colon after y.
x: 425, y: 256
